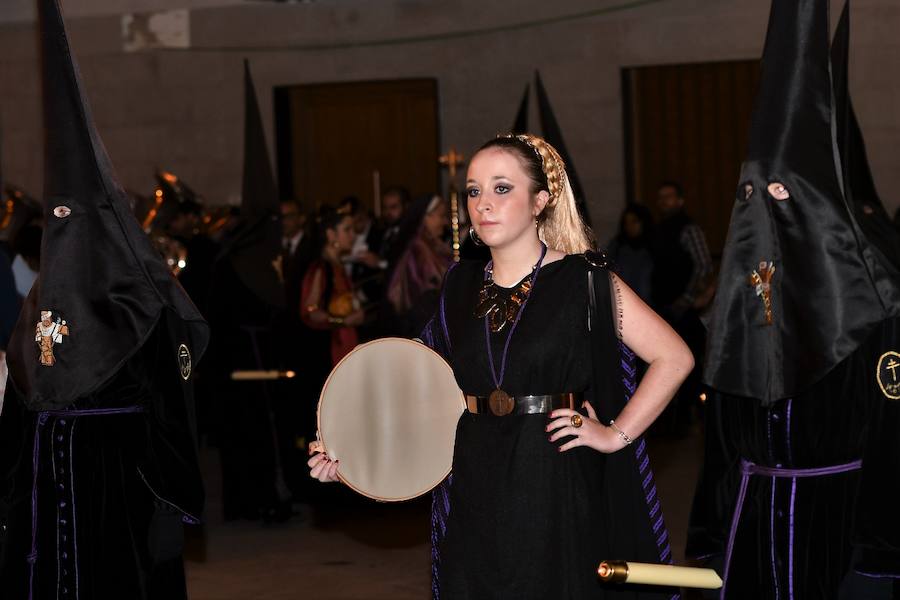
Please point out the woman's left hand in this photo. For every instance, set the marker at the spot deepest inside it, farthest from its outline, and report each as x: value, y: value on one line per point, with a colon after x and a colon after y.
x: 592, y: 432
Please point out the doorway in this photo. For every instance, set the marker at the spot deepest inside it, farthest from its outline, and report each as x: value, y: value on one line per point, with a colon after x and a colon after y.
x: 689, y: 123
x: 349, y: 139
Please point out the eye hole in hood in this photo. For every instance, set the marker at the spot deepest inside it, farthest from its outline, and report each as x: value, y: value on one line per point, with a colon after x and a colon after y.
x: 778, y: 191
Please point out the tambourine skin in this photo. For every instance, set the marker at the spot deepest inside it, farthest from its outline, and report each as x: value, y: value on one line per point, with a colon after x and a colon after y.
x: 388, y: 412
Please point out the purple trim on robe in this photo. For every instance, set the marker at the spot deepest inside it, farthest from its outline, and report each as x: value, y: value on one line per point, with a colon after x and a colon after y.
x: 629, y: 380
x: 772, y: 538
x: 186, y: 517
x: 878, y: 575
x: 42, y: 418
x: 791, y: 540
x: 74, y: 511
x: 747, y: 470
x: 442, y: 313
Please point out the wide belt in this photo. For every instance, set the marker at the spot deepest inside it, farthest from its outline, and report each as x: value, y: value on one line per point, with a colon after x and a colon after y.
x: 525, y: 405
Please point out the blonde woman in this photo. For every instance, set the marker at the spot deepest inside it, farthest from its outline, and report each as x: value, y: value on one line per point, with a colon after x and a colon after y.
x: 550, y: 472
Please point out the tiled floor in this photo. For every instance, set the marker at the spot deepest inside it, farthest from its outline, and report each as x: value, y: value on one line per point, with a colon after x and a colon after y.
x: 364, y: 550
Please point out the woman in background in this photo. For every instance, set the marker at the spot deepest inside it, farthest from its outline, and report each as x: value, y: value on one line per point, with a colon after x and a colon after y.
x: 415, y: 283
x: 631, y: 249
x: 327, y: 299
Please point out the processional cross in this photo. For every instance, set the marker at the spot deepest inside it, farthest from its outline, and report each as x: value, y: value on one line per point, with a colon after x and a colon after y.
x: 453, y: 159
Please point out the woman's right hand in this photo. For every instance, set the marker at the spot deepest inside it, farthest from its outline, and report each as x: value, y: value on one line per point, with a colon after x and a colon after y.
x: 320, y: 466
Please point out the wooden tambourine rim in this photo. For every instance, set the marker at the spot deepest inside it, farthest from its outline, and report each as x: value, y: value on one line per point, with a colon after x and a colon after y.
x: 462, y: 404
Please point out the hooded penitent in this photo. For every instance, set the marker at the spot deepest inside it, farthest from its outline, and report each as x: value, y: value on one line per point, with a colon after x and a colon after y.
x: 102, y: 282
x: 859, y: 185
x: 255, y: 247
x: 800, y: 287
x: 553, y: 134
x: 798, y: 489
x: 98, y: 460
x: 520, y: 124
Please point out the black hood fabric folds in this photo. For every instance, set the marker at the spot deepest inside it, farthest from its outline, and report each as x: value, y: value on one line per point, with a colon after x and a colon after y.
x: 861, y: 192
x: 553, y: 134
x: 520, y: 124
x: 255, y: 247
x: 830, y: 288
x: 103, y: 283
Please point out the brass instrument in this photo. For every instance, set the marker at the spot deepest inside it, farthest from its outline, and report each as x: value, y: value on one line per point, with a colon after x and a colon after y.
x: 155, y: 213
x: 18, y: 208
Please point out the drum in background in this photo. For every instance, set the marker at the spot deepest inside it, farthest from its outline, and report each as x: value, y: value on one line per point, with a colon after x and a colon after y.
x: 388, y: 413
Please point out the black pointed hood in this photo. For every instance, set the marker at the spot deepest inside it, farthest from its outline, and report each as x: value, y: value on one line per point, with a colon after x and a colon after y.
x: 553, y: 134
x: 797, y: 292
x: 520, y: 125
x: 255, y: 247
x: 862, y: 195
x: 102, y: 285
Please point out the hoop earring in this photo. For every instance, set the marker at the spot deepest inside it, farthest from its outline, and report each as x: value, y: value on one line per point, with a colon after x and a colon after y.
x: 475, y: 239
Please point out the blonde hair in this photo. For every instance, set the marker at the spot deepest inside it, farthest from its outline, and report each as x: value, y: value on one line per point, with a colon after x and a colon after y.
x: 559, y: 224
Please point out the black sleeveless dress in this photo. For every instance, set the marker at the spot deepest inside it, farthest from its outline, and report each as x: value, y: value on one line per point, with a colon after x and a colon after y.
x: 526, y: 521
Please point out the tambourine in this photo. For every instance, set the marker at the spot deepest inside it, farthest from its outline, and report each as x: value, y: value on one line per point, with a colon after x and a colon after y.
x: 388, y: 413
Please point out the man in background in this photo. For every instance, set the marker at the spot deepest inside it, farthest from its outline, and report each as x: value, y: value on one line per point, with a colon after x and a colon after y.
x: 682, y: 280
x: 394, y: 203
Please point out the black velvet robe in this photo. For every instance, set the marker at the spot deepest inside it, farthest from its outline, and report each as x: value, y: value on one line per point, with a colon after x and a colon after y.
x: 112, y: 491
x: 827, y: 536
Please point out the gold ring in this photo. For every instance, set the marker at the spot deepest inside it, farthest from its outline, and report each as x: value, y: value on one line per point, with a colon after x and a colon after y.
x: 577, y: 421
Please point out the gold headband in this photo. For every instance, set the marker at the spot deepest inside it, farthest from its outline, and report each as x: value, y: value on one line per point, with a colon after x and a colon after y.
x: 555, y: 173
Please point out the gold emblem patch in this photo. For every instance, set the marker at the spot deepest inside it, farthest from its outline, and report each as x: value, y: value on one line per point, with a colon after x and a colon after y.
x: 888, y: 378
x: 184, y: 361
x: 48, y: 332
x: 761, y: 280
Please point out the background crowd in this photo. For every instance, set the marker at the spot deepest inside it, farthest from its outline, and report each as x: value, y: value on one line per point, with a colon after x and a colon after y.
x: 340, y: 277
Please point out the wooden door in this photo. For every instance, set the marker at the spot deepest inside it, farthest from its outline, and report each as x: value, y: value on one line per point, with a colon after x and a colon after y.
x: 332, y: 138
x: 689, y: 123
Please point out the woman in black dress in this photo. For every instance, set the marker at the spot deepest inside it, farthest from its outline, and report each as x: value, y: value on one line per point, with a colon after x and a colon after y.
x: 540, y: 491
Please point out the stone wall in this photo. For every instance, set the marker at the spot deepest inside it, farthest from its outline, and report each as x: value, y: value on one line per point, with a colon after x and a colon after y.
x: 182, y: 109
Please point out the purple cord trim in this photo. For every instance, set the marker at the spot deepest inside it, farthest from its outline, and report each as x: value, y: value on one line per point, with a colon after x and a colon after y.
x: 791, y: 540
x: 659, y: 523
x: 35, y: 458
x: 440, y: 511
x: 772, y: 538
x: 58, y: 516
x: 443, y: 304
x: 747, y: 469
x: 427, y: 334
x: 879, y: 575
x: 35, y: 464
x: 186, y: 517
x: 787, y: 433
x: 74, y: 510
x: 498, y: 381
x: 629, y: 374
